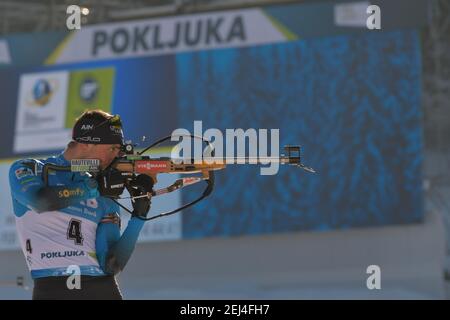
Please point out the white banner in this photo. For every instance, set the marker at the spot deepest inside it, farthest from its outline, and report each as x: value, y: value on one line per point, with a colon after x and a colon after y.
x: 41, y: 112
x: 168, y: 35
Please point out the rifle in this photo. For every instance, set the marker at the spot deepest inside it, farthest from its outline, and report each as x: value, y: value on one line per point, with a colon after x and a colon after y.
x: 135, y: 163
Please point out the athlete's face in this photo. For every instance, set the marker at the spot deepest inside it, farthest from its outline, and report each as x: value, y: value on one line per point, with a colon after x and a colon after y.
x: 104, y: 152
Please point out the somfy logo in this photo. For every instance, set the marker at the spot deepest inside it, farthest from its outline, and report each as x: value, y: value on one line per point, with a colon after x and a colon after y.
x: 74, y: 280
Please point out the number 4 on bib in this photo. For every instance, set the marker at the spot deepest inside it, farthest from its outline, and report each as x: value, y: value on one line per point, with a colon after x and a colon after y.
x: 74, y: 232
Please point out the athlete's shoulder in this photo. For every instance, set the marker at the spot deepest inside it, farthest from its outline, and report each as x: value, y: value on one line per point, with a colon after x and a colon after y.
x: 35, y: 165
x: 30, y: 167
x: 25, y: 167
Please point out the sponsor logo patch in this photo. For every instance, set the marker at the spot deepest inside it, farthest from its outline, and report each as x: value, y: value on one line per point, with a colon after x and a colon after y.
x: 66, y: 193
x: 23, y: 172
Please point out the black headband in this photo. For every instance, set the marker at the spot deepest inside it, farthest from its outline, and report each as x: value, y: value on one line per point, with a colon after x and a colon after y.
x: 92, y: 131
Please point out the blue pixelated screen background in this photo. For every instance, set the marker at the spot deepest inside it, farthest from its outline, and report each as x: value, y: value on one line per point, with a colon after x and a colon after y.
x: 352, y: 102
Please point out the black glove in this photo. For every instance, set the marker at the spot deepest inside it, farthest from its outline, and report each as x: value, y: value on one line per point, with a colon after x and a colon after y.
x: 141, y: 185
x: 111, y: 183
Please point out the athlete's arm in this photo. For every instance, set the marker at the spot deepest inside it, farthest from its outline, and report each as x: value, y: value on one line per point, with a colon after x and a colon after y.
x: 28, y: 189
x: 113, y: 250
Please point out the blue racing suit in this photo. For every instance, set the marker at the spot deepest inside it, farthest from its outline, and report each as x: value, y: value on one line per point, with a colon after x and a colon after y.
x: 68, y: 223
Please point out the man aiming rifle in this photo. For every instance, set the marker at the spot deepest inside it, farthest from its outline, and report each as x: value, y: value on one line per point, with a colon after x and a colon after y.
x: 71, y: 220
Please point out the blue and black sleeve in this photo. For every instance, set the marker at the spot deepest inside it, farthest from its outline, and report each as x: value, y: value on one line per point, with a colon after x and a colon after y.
x: 27, y: 188
x: 114, y: 250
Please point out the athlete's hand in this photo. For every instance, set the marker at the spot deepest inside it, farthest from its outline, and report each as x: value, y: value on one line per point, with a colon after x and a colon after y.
x: 111, y: 183
x: 141, y: 187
